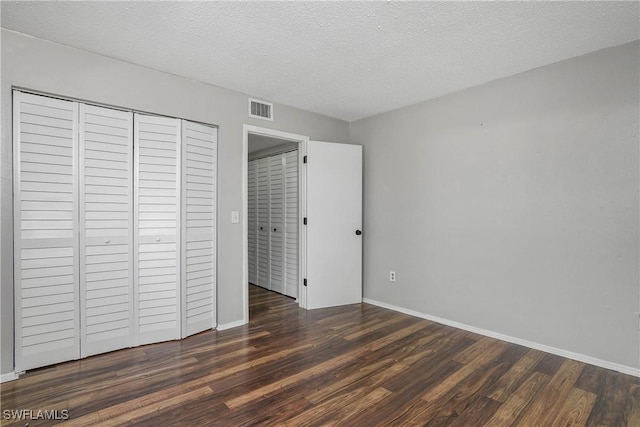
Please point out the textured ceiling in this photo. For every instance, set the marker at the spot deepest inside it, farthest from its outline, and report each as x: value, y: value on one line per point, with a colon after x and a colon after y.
x: 347, y: 60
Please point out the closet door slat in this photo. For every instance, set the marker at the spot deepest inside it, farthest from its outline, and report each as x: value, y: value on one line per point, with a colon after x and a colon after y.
x: 276, y: 223
x: 198, y: 228
x: 157, y: 290
x: 46, y: 258
x: 106, y: 225
x: 252, y: 219
x: 291, y: 221
x: 262, y: 209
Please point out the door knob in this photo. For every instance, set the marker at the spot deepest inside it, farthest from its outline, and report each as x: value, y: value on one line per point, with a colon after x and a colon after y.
x: 275, y: 229
x: 107, y: 241
x: 261, y: 228
x: 358, y: 232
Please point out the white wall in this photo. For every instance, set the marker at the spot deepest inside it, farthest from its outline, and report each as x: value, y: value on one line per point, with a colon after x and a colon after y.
x: 513, y: 206
x: 49, y: 67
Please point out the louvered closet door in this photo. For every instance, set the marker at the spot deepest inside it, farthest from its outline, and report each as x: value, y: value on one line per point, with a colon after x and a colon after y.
x: 291, y: 221
x: 46, y: 261
x: 252, y: 225
x: 199, y: 148
x: 276, y: 223
x: 262, y: 176
x: 106, y: 229
x: 157, y: 222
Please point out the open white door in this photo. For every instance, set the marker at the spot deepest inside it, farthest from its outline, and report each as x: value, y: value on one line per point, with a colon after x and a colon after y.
x: 334, y: 224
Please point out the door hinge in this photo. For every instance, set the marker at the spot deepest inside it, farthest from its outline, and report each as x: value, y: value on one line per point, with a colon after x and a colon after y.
x: 304, y: 282
x: 304, y: 159
x: 304, y: 221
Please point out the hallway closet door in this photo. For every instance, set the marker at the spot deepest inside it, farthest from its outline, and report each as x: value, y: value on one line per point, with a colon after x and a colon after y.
x: 276, y: 224
x: 46, y: 259
x: 291, y: 196
x: 263, y: 187
x: 252, y: 220
x: 157, y: 213
x: 106, y: 229
x: 199, y: 150
x: 273, y: 216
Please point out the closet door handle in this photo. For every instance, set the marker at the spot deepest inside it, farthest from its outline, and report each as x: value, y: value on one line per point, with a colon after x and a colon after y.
x: 275, y: 229
x: 261, y: 228
x: 358, y: 232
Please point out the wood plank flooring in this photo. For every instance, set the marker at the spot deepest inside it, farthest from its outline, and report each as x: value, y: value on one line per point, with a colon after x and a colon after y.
x: 357, y: 365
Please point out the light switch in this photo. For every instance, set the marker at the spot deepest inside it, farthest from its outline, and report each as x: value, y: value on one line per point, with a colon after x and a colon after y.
x: 235, y: 217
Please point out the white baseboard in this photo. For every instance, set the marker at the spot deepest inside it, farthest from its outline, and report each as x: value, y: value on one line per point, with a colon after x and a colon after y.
x: 9, y: 376
x: 223, y: 326
x: 537, y: 346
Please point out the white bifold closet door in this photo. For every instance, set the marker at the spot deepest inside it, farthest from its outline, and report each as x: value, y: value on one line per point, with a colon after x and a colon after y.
x: 106, y: 229
x: 273, y: 199
x: 263, y: 187
x: 252, y: 226
x: 46, y: 258
x: 276, y: 223
x: 114, y: 229
x: 157, y: 229
x: 291, y: 196
x: 199, y: 150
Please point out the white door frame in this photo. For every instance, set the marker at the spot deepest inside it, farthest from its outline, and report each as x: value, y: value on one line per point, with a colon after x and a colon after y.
x: 302, y: 242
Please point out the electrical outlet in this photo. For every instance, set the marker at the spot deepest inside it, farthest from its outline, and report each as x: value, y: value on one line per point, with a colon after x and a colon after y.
x: 392, y: 276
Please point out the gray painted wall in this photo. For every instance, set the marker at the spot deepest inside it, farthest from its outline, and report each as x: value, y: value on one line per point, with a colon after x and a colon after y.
x: 513, y: 206
x: 49, y: 67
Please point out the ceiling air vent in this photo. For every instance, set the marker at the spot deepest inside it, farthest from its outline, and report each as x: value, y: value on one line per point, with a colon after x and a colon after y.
x: 260, y: 109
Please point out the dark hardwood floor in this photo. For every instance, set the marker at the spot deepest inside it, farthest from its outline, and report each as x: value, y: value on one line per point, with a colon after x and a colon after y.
x: 357, y: 365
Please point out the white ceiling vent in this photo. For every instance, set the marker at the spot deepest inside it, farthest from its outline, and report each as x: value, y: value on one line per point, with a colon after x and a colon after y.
x: 260, y: 109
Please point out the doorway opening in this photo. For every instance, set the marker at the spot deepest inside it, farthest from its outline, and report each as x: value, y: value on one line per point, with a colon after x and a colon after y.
x: 273, y: 210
